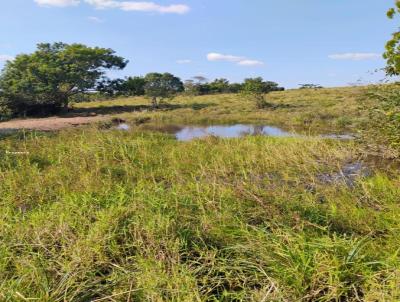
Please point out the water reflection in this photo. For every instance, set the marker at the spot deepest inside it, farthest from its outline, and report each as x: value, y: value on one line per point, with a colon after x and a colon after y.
x: 189, y: 133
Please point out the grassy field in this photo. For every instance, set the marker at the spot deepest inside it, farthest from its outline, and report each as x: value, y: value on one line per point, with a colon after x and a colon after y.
x: 103, y: 215
x: 335, y: 109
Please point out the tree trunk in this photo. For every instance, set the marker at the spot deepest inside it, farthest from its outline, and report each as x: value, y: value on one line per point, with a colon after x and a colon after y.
x: 154, y: 102
x: 64, y: 103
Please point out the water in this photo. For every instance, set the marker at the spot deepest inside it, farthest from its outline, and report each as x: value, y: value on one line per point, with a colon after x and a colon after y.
x: 124, y: 127
x: 189, y: 133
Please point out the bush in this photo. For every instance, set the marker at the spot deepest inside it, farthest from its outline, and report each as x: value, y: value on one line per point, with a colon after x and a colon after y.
x: 384, y: 117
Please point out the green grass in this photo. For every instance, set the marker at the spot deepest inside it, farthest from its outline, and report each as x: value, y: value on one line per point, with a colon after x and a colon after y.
x: 334, y: 109
x: 110, y: 214
x: 104, y: 215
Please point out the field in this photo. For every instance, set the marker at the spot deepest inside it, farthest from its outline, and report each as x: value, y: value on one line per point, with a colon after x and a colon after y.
x: 335, y: 109
x: 96, y: 214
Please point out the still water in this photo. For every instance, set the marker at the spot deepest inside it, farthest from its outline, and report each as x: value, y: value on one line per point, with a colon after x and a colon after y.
x: 190, y: 132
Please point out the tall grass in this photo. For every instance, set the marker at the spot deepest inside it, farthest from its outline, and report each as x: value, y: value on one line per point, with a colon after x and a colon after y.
x: 88, y: 215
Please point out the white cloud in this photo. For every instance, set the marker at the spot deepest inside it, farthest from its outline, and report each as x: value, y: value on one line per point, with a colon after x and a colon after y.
x: 140, y: 6
x: 95, y: 19
x: 185, y: 61
x: 251, y: 63
x: 357, y: 56
x: 58, y: 3
x: 213, y: 56
x: 242, y: 61
x: 4, y: 58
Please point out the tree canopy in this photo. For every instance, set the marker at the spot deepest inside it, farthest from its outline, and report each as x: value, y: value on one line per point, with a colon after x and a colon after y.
x: 256, y: 88
x: 392, y: 54
x: 44, y: 81
x: 161, y: 86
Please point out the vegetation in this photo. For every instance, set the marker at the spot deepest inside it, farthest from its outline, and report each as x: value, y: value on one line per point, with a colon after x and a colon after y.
x: 384, y: 117
x: 135, y: 86
x: 162, y: 86
x: 89, y: 215
x: 333, y: 110
x: 392, y: 54
x: 48, y: 80
x: 45, y: 81
x: 200, y: 86
x: 255, y: 89
x: 385, y: 113
x: 131, y: 86
x: 101, y: 214
x: 310, y: 86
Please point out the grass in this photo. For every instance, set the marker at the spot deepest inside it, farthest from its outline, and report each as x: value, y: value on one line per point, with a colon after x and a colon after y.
x: 334, y: 109
x: 104, y: 215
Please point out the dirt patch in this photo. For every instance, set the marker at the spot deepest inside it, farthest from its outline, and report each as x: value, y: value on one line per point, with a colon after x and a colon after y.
x: 50, y: 123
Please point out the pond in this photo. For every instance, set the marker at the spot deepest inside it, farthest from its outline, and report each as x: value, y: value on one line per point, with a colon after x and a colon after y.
x: 188, y: 133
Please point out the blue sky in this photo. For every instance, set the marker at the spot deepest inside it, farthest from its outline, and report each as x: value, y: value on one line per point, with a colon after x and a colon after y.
x: 328, y: 42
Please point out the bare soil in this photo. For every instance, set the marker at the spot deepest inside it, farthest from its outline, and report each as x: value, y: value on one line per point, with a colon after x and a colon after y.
x: 50, y: 123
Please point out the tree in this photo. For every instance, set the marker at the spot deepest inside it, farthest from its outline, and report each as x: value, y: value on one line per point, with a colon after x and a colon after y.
x: 44, y: 81
x: 134, y: 86
x: 111, y: 87
x: 256, y: 88
x: 235, y: 88
x: 219, y: 86
x: 161, y: 86
x: 200, y: 79
x: 310, y: 86
x: 392, y: 54
x: 197, y: 85
x: 191, y: 87
x: 272, y: 86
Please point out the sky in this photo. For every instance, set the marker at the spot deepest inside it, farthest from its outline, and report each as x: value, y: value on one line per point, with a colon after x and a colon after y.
x: 326, y: 42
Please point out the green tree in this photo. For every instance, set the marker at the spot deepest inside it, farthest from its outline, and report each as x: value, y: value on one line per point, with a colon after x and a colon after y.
x: 162, y: 86
x: 256, y: 89
x: 134, y: 86
x: 235, y: 87
x: 197, y: 85
x: 392, y: 54
x: 44, y: 81
x: 310, y: 86
x: 111, y: 88
x: 219, y: 86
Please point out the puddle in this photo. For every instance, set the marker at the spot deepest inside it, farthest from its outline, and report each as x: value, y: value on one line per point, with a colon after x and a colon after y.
x: 348, y: 174
x: 124, y: 127
x: 190, y: 132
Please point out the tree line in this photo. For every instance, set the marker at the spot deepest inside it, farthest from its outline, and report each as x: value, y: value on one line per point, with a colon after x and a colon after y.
x: 198, y: 85
x: 46, y: 81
